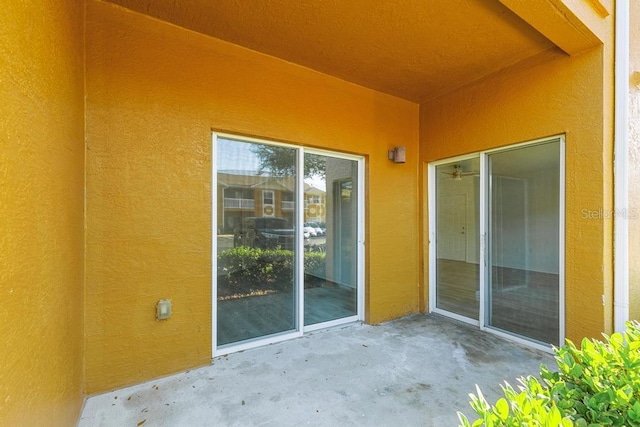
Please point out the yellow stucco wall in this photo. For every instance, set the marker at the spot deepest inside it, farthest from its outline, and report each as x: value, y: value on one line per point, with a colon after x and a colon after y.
x: 549, y: 95
x: 154, y: 91
x: 634, y: 162
x: 41, y: 200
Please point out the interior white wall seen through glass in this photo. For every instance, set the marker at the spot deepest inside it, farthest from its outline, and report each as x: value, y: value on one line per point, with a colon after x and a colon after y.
x: 523, y: 285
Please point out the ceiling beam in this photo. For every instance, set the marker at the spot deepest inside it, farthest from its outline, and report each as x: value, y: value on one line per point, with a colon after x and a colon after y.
x: 557, y: 21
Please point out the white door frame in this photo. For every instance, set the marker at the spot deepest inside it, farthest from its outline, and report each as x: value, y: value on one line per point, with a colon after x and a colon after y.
x: 360, y: 269
x: 299, y: 274
x: 483, y: 249
x: 621, y: 168
x: 432, y: 181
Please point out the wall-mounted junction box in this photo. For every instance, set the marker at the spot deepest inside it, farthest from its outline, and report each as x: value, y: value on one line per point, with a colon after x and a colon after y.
x: 163, y: 309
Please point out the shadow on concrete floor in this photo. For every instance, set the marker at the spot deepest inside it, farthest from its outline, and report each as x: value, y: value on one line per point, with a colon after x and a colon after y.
x: 414, y: 371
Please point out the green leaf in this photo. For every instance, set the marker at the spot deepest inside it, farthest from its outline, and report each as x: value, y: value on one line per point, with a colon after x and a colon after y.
x: 576, y: 370
x: 464, y: 421
x: 553, y: 419
x: 502, y: 409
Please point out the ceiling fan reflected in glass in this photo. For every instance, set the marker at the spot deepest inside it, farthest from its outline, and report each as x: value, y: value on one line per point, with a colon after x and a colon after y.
x: 457, y: 174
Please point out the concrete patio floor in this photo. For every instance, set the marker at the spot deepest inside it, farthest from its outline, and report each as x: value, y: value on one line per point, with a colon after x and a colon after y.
x: 415, y: 371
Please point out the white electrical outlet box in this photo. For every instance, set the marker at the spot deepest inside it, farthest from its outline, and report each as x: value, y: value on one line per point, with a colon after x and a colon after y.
x: 163, y: 309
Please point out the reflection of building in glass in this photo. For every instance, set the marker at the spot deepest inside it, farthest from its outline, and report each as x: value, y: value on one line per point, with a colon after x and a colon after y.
x: 245, y: 196
x: 315, y: 203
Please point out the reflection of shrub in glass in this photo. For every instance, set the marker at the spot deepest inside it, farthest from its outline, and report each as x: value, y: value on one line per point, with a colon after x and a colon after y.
x: 314, y: 268
x: 245, y: 271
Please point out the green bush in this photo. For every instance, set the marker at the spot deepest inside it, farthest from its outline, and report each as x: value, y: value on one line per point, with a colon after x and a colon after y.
x: 315, y: 263
x: 596, y: 385
x: 275, y: 267
x: 244, y: 269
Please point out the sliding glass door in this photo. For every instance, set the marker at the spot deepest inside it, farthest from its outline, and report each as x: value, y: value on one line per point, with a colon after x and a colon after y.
x: 331, y: 254
x: 523, y: 288
x: 287, y: 250
x: 497, y: 243
x: 458, y: 235
x: 256, y: 240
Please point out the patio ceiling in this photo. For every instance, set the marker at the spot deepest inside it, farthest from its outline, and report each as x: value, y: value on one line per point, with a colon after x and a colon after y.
x: 413, y: 49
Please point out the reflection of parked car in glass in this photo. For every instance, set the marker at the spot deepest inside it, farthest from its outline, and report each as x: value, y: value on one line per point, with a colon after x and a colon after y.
x: 319, y: 230
x: 264, y: 232
x: 310, y: 230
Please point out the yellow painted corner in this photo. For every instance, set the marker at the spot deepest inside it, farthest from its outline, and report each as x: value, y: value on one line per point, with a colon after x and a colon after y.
x: 41, y: 198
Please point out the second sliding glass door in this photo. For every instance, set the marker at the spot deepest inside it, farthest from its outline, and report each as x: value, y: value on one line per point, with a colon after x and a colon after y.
x: 496, y: 253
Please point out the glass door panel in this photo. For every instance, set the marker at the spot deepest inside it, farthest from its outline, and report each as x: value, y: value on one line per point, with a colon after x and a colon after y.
x: 330, y: 227
x: 256, y: 240
x: 457, y: 241
x: 523, y: 285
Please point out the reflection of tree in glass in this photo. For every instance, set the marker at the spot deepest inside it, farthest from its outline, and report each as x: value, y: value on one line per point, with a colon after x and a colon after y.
x: 280, y: 161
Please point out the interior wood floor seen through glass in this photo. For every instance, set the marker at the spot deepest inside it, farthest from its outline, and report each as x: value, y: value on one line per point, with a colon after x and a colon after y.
x: 327, y: 302
x: 525, y: 302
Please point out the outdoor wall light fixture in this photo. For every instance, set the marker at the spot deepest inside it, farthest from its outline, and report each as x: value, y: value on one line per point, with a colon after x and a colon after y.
x: 398, y: 155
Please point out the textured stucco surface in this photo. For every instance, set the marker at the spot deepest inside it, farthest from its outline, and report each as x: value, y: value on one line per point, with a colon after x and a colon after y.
x: 41, y: 205
x: 416, y: 371
x: 154, y: 91
x: 634, y: 162
x: 414, y: 49
x: 558, y: 95
x: 573, y: 25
